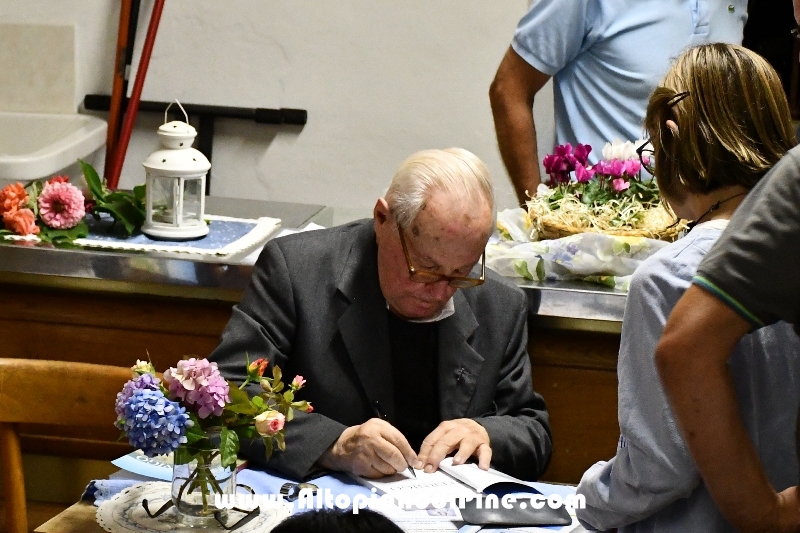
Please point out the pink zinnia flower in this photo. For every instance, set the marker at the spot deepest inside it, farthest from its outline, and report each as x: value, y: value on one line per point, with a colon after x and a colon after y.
x: 269, y: 423
x: 620, y: 184
x: 199, y: 384
x: 61, y: 205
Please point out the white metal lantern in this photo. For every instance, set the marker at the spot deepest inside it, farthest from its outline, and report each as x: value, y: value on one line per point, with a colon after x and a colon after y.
x: 176, y: 184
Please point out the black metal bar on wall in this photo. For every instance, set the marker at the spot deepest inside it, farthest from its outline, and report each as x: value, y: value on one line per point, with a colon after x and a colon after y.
x: 207, y: 114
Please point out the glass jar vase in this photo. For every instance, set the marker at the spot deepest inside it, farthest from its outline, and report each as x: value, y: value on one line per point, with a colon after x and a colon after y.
x: 199, y: 483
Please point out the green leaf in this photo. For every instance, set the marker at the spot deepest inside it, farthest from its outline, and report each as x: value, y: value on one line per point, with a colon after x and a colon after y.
x: 140, y: 193
x: 290, y: 414
x: 228, y: 446
x: 48, y: 234
x: 276, y: 374
x: 521, y: 268
x: 281, y: 441
x: 93, y: 180
x: 246, y: 432
x: 237, y: 395
x: 242, y: 408
x: 288, y: 396
x: 540, y: 273
x: 258, y: 401
x: 268, y: 447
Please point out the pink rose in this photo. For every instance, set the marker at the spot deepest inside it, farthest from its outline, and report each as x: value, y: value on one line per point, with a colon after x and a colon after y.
x: 269, y: 423
x: 620, y: 184
x: 310, y: 408
x: 298, y: 382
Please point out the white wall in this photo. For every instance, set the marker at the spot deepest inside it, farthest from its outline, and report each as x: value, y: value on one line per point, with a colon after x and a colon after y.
x: 380, y: 80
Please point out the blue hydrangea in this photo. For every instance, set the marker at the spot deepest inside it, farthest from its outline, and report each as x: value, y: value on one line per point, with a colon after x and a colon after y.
x: 154, y: 424
x: 142, y: 382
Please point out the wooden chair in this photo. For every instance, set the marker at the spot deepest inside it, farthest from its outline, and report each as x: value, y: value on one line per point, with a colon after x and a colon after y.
x: 48, y: 392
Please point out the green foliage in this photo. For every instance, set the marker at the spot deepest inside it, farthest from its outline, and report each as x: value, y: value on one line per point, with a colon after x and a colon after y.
x: 127, y: 208
x: 58, y: 236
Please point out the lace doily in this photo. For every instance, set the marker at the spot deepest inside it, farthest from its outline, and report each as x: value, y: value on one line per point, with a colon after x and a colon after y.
x: 124, y: 513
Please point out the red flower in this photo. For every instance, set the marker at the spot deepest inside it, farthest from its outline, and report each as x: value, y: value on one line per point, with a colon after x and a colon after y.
x: 12, y: 197
x: 21, y: 222
x: 58, y: 179
x: 257, y: 368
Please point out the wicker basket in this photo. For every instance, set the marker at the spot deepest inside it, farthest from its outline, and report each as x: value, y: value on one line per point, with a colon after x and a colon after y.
x: 555, y: 230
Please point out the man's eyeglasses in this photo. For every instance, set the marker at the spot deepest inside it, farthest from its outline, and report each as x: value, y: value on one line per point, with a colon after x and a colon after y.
x: 423, y: 276
x: 645, y: 150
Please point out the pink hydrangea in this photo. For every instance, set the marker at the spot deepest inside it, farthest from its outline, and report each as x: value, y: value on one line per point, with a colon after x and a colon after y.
x: 61, y: 205
x: 198, y: 384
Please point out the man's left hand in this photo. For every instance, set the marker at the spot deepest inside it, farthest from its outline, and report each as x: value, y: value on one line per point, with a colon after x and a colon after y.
x: 463, y: 434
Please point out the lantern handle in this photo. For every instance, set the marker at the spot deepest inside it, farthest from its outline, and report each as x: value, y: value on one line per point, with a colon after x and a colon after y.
x: 179, y: 105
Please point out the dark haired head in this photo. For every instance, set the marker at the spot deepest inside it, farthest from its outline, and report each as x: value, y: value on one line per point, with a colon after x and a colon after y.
x: 337, y: 521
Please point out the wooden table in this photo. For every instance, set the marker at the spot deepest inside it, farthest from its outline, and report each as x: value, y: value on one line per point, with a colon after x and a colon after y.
x: 76, y: 519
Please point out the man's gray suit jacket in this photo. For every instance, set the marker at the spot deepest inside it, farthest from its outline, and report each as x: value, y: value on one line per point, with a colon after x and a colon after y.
x: 315, y: 308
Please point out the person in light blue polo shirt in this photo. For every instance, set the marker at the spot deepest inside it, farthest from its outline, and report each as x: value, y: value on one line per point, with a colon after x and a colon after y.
x: 606, y: 57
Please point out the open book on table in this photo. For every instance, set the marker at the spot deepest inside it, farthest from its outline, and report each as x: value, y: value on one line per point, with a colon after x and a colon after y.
x: 479, y: 494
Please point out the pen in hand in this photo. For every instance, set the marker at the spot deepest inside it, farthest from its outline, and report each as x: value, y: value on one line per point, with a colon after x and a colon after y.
x: 376, y: 406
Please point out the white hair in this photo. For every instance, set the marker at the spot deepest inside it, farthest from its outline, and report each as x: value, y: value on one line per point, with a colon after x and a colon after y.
x: 455, y: 171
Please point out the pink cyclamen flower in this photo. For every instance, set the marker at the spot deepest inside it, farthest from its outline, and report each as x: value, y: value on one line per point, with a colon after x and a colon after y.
x: 620, y: 184
x: 61, y: 205
x: 582, y: 152
x: 632, y: 167
x: 298, y: 382
x: 583, y: 174
x: 269, y: 423
x: 199, y: 384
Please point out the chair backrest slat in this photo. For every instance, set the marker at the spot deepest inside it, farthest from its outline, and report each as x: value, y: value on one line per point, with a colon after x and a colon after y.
x: 59, y: 392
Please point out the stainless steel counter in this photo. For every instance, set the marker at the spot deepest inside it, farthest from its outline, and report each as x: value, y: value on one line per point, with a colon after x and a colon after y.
x: 561, y: 305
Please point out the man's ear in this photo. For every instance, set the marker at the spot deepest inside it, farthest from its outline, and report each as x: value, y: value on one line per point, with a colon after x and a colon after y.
x: 381, y: 213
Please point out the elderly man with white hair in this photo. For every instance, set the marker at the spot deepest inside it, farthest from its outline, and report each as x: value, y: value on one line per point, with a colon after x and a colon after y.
x: 412, y: 349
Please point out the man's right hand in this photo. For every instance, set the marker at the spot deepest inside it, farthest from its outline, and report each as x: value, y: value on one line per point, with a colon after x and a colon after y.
x: 373, y: 449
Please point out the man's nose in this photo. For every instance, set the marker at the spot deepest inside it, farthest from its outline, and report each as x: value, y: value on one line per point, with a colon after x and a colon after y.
x: 440, y: 289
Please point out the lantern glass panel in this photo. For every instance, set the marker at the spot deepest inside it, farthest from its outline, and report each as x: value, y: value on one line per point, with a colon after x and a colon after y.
x: 191, y: 200
x: 163, y: 198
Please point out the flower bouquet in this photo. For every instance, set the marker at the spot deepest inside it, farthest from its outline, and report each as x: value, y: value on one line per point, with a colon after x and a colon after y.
x: 609, y: 197
x: 54, y: 210
x: 200, y: 417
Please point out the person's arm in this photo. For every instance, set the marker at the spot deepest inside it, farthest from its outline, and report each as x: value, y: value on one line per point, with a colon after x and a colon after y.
x: 263, y: 324
x: 692, y: 363
x: 511, y: 95
x: 652, y: 467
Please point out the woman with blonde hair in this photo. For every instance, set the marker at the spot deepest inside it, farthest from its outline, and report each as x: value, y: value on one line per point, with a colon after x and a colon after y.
x: 717, y: 123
